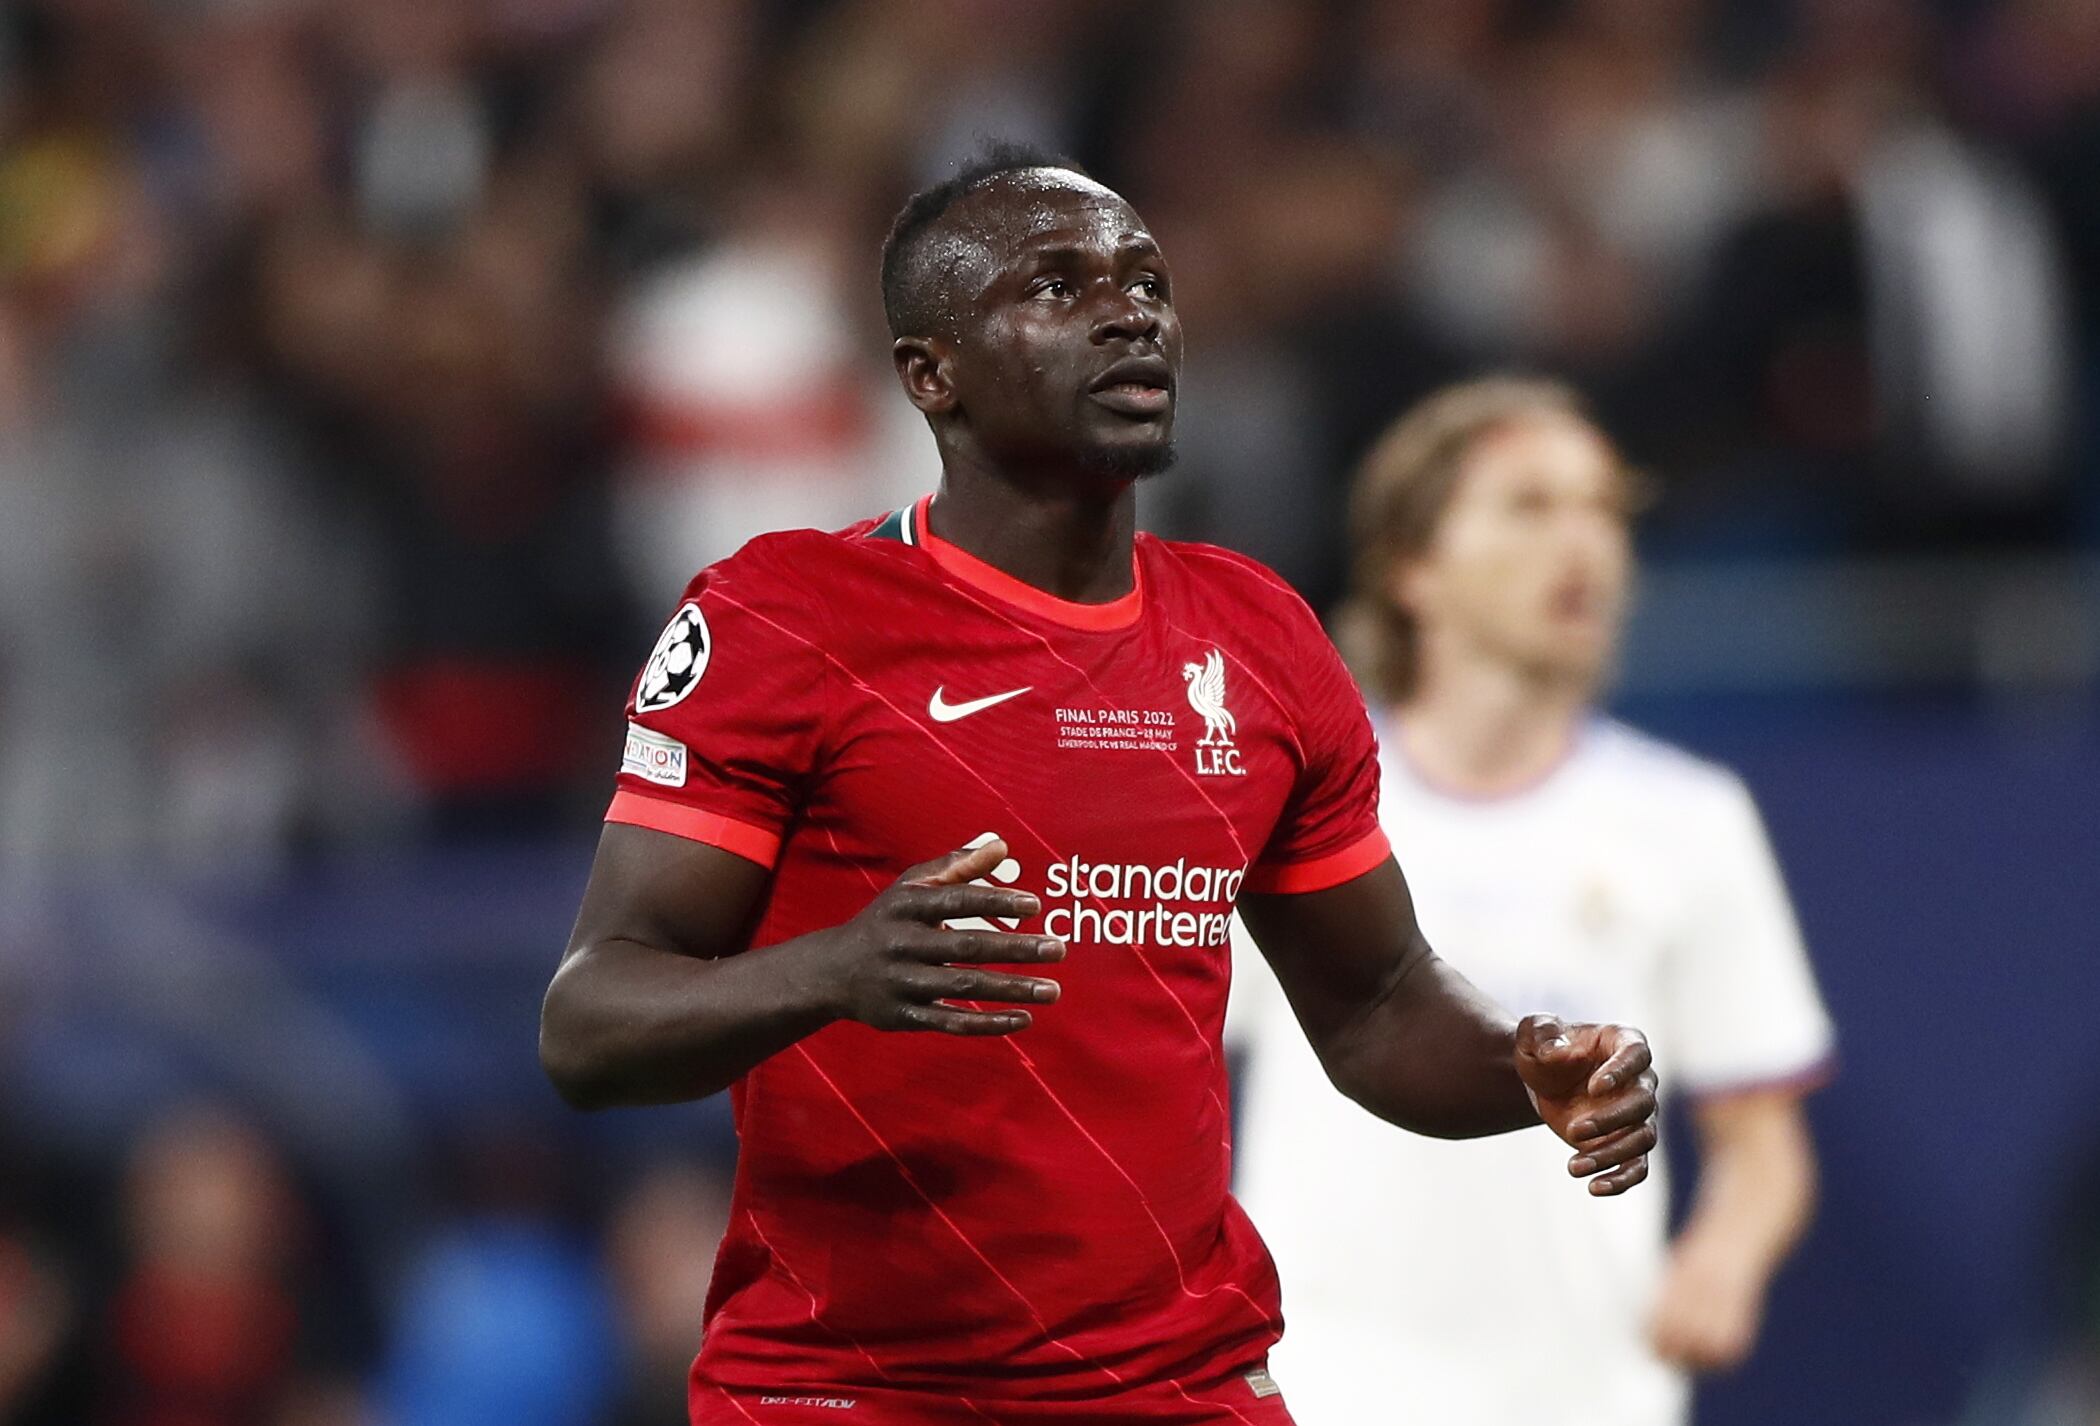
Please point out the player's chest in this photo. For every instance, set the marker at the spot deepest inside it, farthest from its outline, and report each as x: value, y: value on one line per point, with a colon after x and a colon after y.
x: 1571, y: 919
x: 1081, y: 744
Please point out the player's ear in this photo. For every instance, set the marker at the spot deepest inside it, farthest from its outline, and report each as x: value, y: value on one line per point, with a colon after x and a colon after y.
x: 922, y: 365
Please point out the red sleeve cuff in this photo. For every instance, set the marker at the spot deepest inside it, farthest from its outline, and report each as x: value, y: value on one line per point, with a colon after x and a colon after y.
x: 1294, y: 878
x: 754, y: 844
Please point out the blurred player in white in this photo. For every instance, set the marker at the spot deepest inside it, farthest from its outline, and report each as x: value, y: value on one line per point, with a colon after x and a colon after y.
x: 1558, y: 859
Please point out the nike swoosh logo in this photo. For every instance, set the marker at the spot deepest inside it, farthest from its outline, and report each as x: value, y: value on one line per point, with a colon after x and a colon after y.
x: 945, y: 712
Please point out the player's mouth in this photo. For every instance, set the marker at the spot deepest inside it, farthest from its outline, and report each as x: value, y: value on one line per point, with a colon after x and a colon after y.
x: 1136, y: 386
x: 1577, y: 601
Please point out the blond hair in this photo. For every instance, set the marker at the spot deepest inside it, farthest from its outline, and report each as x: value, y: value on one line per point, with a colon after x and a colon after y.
x: 1398, y: 500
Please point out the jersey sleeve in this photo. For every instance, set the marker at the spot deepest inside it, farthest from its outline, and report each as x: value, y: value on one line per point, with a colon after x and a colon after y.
x: 1329, y: 831
x: 1743, y: 1008
x: 725, y: 720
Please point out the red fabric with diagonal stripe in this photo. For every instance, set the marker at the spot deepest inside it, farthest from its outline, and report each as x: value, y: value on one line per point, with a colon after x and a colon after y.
x: 1043, y: 1218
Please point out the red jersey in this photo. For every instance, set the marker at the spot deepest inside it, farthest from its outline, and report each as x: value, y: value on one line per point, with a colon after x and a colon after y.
x: 1044, y: 1216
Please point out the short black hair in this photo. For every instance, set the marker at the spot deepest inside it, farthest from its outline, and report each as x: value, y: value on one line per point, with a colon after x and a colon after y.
x: 908, y: 301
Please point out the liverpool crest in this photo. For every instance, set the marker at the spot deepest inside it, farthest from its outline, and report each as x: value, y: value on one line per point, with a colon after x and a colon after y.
x: 1215, y: 753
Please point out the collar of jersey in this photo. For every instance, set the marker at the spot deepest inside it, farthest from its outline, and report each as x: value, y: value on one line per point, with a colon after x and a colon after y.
x: 1397, y: 764
x: 1118, y: 613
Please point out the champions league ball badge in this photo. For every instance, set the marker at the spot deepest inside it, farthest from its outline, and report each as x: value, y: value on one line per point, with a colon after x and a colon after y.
x: 676, y: 663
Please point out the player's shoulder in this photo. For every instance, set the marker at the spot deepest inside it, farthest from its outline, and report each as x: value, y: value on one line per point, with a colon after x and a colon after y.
x: 1660, y: 770
x: 801, y: 565
x: 1230, y: 577
x: 779, y: 550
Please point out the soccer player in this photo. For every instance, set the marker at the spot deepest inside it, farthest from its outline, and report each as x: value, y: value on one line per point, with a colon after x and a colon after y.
x: 1560, y: 860
x: 926, y: 844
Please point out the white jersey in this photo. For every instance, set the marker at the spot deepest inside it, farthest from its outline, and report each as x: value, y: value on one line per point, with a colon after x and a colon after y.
x: 1472, y: 1283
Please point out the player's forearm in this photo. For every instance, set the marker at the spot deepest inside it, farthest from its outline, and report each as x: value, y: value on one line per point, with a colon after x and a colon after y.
x: 1757, y: 1185
x: 624, y: 1024
x: 1433, y: 1055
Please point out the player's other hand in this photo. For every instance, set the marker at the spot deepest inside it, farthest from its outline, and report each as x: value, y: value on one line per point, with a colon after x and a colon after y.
x: 896, y: 967
x: 1594, y: 1085
x: 1711, y: 1304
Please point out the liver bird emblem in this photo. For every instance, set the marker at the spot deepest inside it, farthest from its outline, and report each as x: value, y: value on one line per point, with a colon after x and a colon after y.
x: 1206, y: 683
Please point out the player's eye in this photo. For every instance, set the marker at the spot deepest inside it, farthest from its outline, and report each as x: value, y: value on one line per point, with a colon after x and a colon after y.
x: 1050, y: 287
x: 1151, y: 285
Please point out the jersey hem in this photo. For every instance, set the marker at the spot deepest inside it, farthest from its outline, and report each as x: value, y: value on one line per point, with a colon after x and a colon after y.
x: 1320, y: 873
x: 995, y: 1392
x: 753, y: 844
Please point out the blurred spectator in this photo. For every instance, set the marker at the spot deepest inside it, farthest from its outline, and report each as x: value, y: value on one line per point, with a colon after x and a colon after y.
x: 1589, y: 203
x: 753, y: 401
x: 1009, y: 71
x: 659, y: 111
x: 209, y: 1322
x: 479, y: 457
x: 504, y: 1319
x: 2040, y: 81
x: 35, y: 1313
x: 660, y: 1249
x: 1309, y: 234
x: 1882, y: 342
x: 39, y: 1298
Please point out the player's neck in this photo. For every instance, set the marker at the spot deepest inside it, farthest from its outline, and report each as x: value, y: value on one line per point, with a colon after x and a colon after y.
x: 1068, y: 539
x: 1482, y: 728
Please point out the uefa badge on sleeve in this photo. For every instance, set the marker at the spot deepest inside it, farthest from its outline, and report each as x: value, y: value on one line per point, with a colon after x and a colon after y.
x: 677, y: 661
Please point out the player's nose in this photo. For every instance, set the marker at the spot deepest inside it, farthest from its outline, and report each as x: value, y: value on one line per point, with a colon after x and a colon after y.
x: 1124, y: 317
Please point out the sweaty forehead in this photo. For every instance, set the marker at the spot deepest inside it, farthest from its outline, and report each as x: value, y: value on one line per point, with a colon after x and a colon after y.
x: 1017, y: 210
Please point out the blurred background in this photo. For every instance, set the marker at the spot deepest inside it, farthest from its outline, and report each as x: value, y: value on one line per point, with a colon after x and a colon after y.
x: 374, y: 373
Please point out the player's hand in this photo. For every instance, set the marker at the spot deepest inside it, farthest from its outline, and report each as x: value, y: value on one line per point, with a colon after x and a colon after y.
x: 1711, y: 1304
x: 896, y: 967
x: 1594, y: 1085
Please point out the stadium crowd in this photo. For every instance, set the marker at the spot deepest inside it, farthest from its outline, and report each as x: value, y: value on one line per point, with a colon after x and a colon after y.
x: 374, y: 373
